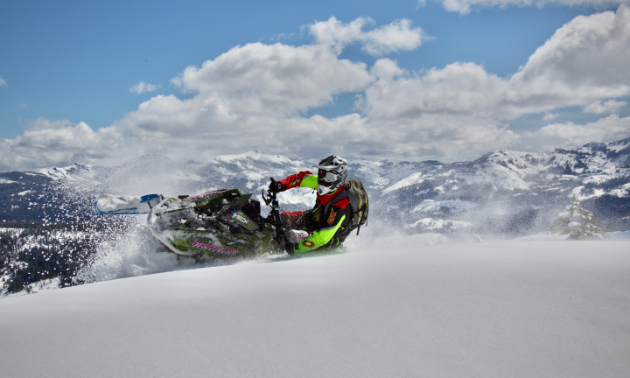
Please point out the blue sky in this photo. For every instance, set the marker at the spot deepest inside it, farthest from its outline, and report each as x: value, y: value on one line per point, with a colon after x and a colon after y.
x: 71, y: 63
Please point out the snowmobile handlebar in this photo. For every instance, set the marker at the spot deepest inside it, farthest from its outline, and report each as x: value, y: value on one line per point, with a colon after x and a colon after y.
x: 270, y: 198
x: 272, y: 201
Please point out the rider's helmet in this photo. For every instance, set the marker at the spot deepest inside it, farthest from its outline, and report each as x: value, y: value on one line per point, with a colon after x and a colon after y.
x: 331, y: 174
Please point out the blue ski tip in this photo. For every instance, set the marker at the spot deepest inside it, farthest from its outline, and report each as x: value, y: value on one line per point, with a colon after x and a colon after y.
x: 148, y: 197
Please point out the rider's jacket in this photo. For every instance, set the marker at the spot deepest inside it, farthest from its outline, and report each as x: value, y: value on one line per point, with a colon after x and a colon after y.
x: 331, y: 219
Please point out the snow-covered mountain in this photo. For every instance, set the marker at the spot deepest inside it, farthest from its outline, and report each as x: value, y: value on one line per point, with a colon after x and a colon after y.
x: 516, y: 192
x: 501, y: 192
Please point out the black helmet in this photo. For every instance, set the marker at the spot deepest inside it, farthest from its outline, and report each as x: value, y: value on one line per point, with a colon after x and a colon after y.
x: 331, y: 175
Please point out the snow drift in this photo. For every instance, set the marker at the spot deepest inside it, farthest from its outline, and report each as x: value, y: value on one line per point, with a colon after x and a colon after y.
x: 399, y: 307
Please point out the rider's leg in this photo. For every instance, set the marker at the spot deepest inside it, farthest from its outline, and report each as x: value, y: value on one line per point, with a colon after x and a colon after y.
x: 299, y: 220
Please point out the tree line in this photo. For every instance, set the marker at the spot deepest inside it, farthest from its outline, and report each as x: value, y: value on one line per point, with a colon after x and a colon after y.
x: 31, y: 252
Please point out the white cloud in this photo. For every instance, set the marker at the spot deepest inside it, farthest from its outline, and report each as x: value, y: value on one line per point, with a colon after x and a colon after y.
x: 610, y: 128
x: 386, y: 69
x: 258, y: 78
x: 550, y: 116
x: 255, y: 97
x: 394, y: 37
x: 465, y: 6
x: 397, y: 36
x: 143, y: 87
x: 46, y: 143
x: 608, y: 107
x: 457, y: 89
x: 252, y: 97
x: 584, y: 61
x: 2, y: 82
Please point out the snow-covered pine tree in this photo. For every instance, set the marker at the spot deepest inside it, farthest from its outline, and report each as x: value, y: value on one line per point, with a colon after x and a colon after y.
x: 578, y: 223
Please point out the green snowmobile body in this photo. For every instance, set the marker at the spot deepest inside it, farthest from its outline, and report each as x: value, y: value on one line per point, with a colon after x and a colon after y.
x: 219, y: 224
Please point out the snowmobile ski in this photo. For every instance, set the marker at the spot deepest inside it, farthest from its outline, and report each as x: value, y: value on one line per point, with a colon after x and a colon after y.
x: 108, y: 204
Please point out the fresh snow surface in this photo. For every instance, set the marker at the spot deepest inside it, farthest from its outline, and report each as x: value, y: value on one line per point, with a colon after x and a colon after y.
x: 396, y: 307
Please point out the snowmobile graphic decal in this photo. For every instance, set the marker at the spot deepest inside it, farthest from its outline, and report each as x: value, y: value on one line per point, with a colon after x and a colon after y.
x: 214, y: 248
x: 240, y: 218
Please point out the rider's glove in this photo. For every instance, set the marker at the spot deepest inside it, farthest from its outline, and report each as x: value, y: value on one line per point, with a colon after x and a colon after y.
x: 275, y: 186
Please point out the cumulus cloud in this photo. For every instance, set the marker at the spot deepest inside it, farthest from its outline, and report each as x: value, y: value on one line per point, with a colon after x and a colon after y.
x: 257, y: 96
x: 253, y: 97
x: 457, y: 89
x: 584, y: 61
x: 396, y: 36
x: 258, y: 78
x: 610, y: 128
x: 550, y: 116
x: 2, y: 82
x: 46, y: 143
x: 386, y: 69
x: 465, y: 6
x: 610, y: 106
x: 143, y: 87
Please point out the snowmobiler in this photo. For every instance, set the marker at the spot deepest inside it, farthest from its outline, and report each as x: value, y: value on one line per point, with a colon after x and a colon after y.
x: 341, y: 206
x: 227, y: 222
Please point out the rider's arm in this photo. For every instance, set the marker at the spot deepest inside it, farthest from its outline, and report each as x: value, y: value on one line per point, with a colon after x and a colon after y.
x: 319, y: 238
x: 303, y: 179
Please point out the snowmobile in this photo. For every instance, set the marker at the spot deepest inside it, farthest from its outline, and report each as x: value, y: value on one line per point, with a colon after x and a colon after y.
x: 221, y: 223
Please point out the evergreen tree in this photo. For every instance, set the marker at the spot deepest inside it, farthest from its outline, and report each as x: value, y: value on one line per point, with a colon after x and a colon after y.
x: 32, y: 252
x: 578, y: 223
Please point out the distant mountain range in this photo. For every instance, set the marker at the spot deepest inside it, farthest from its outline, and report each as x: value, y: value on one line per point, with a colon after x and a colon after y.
x: 502, y: 192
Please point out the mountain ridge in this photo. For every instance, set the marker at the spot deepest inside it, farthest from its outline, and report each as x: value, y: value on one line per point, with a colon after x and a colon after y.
x: 486, y: 195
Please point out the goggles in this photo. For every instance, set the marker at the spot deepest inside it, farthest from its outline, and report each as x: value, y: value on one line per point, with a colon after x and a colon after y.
x: 327, y: 176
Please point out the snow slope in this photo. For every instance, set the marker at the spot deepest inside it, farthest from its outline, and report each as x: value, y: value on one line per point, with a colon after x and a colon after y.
x: 401, y: 307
